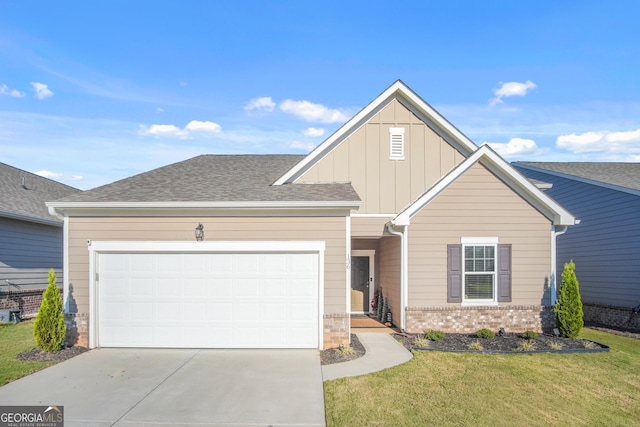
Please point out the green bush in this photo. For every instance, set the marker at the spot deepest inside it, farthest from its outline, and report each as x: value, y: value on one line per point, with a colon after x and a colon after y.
x: 485, y: 333
x: 433, y: 335
x: 568, y: 309
x: 530, y: 335
x: 49, y: 329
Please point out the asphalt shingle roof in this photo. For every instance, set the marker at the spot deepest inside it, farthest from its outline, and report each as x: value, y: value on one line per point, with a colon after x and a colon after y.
x: 29, y: 201
x: 621, y: 174
x: 224, y: 178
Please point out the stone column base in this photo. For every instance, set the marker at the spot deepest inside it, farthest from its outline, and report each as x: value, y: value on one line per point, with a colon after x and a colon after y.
x: 77, y: 329
x: 336, y: 330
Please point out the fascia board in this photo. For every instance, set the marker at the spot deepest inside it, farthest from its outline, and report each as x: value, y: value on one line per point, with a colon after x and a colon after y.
x: 398, y: 90
x: 33, y: 219
x: 580, y: 179
x: 498, y: 166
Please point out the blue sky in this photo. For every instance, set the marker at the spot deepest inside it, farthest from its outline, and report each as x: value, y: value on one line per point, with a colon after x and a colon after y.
x: 93, y: 92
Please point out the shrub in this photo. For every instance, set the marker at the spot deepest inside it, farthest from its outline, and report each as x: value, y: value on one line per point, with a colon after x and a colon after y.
x: 345, y: 349
x: 476, y: 345
x: 530, y: 335
x: 421, y: 342
x: 49, y: 329
x: 433, y: 335
x: 555, y: 345
x: 589, y: 344
x: 526, y: 345
x: 485, y: 333
x: 568, y: 309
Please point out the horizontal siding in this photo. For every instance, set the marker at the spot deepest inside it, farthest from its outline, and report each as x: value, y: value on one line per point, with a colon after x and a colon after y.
x: 368, y: 227
x: 478, y: 204
x: 388, y: 266
x: 605, y: 246
x: 332, y: 230
x: 27, y: 252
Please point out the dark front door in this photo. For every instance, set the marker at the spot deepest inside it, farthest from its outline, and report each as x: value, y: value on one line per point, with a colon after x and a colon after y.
x: 360, y: 283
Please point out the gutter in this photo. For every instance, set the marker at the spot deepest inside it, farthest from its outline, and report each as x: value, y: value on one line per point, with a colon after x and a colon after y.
x: 404, y: 270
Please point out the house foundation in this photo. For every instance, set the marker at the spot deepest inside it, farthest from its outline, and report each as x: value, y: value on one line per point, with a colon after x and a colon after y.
x: 336, y: 330
x: 611, y: 315
x: 470, y: 319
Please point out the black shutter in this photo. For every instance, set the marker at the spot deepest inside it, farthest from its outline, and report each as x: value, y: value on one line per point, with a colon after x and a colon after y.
x: 504, y: 273
x: 454, y: 273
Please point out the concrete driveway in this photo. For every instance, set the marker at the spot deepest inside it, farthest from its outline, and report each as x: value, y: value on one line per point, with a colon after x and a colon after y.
x: 125, y: 387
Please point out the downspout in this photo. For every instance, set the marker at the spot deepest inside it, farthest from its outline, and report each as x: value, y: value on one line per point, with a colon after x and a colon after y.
x: 404, y: 265
x: 556, y: 231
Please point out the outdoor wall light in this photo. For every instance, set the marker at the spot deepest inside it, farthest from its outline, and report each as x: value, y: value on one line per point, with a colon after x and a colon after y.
x: 501, y: 332
x: 200, y: 232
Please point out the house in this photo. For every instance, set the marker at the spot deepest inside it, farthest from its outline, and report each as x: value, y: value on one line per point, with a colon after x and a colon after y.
x: 606, y: 244
x: 397, y: 200
x: 30, y: 237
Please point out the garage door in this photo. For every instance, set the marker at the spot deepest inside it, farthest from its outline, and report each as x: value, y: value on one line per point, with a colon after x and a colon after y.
x: 208, y: 300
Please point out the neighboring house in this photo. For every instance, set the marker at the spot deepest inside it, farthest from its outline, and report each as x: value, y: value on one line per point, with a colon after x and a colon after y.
x: 30, y: 237
x: 397, y: 200
x: 606, y: 244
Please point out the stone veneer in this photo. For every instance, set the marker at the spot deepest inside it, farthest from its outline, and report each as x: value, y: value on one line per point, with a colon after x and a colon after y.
x: 28, y: 301
x: 77, y: 329
x: 336, y: 330
x: 514, y: 318
x: 610, y: 315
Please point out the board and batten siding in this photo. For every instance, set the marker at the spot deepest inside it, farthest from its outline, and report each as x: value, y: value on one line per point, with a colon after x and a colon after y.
x: 605, y: 246
x: 479, y: 204
x: 28, y: 251
x: 331, y: 230
x: 387, y: 186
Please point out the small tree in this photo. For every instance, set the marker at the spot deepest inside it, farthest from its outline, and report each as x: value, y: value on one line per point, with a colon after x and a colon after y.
x: 568, y: 309
x: 49, y: 329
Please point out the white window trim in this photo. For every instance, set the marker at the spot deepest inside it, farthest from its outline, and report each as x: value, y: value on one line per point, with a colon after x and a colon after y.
x: 480, y: 241
x: 395, y: 132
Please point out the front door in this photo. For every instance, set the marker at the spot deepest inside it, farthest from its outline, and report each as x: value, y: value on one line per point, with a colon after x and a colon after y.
x: 360, y: 284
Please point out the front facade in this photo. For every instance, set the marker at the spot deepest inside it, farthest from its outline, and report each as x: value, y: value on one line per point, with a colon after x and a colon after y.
x: 397, y: 201
x: 605, y: 246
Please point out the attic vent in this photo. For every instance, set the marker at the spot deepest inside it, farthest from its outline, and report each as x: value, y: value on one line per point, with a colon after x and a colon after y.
x: 396, y: 143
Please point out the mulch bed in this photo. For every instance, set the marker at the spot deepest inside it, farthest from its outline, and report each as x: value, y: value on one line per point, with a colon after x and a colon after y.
x: 333, y: 355
x: 35, y: 355
x: 508, y: 343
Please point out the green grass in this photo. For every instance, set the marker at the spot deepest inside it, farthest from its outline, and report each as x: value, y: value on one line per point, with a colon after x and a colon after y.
x: 16, y: 339
x: 451, y: 389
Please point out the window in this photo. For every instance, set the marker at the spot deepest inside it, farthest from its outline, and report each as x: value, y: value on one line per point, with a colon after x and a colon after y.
x: 479, y: 272
x: 396, y: 143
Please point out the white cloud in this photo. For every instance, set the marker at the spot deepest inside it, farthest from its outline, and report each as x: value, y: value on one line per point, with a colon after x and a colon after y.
x: 59, y: 176
x: 307, y: 146
x: 199, y: 126
x: 313, y: 132
x: 4, y: 90
x: 313, y: 112
x: 183, y: 84
x: 511, y: 89
x: 42, y: 90
x: 515, y: 147
x: 263, y: 103
x: 160, y: 110
x: 173, y: 131
x: 626, y: 143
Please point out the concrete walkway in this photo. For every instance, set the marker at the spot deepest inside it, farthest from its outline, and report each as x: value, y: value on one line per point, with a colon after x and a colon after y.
x: 382, y: 351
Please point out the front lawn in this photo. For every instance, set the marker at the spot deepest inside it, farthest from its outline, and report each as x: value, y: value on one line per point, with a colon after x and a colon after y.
x: 452, y: 389
x: 16, y: 339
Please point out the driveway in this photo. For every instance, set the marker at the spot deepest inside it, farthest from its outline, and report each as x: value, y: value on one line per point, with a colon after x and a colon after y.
x: 126, y: 387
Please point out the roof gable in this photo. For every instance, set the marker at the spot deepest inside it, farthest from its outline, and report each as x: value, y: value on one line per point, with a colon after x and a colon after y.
x: 406, y: 97
x: 23, y: 195
x: 499, y: 167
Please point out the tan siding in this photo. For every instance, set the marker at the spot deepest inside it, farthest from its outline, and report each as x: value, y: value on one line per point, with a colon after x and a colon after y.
x: 478, y: 205
x: 387, y: 186
x: 368, y: 226
x: 329, y: 229
x: 388, y: 268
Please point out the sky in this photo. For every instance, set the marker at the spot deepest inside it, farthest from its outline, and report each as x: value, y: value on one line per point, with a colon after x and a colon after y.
x: 93, y: 92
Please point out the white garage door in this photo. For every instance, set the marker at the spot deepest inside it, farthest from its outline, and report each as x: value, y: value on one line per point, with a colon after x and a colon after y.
x: 208, y: 300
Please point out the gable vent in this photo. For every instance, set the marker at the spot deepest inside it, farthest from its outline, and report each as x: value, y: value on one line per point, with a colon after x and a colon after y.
x: 396, y: 143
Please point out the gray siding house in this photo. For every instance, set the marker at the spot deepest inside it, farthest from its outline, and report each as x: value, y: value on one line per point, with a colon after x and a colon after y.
x: 31, y: 239
x: 606, y: 244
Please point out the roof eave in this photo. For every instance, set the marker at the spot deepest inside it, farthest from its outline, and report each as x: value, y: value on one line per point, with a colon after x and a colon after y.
x: 29, y: 218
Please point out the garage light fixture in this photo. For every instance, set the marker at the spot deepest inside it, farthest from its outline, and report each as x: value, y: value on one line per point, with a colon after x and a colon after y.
x: 200, y: 233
